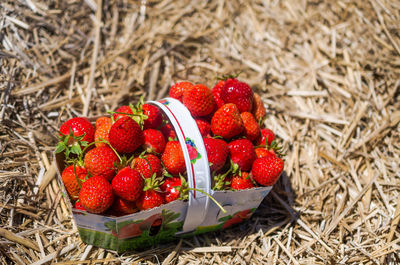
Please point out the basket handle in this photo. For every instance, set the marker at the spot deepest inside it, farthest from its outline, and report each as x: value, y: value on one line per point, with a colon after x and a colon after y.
x: 194, y: 151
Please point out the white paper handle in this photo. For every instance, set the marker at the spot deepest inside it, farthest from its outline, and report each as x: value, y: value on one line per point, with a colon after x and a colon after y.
x: 194, y: 151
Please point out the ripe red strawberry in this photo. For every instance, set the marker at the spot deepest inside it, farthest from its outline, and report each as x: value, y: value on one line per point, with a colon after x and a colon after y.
x: 125, y: 135
x: 241, y: 182
x: 173, y: 158
x: 154, y: 141
x: 252, y: 130
x: 217, y: 152
x: 217, y: 93
x: 100, y: 161
x: 238, y: 93
x: 148, y: 165
x: 267, y: 137
x: 177, y: 90
x: 96, y: 195
x: 123, y: 109
x: 266, y: 170
x: 122, y: 207
x: 128, y: 184
x: 258, y: 111
x: 78, y: 206
x: 149, y: 199
x: 168, y: 132
x: 227, y: 122
x: 79, y: 126
x: 204, y: 126
x: 199, y: 100
x: 154, y: 116
x: 242, y: 153
x: 169, y: 187
x: 263, y: 152
x: 103, y: 126
x: 73, y: 182
x: 102, y: 120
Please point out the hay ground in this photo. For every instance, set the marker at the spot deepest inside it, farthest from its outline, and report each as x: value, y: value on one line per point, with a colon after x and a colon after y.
x: 328, y: 72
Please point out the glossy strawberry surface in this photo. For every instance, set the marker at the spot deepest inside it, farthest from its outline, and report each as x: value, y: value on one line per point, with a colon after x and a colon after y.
x: 217, y: 152
x: 227, y: 122
x: 267, y: 170
x: 73, y: 176
x: 125, y: 135
x: 242, y: 153
x: 128, y: 184
x: 173, y: 158
x: 79, y: 126
x: 101, y: 161
x: 238, y: 93
x: 96, y: 195
x: 199, y: 100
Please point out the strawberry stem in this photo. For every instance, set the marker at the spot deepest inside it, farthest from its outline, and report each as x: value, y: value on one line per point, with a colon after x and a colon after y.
x: 211, y: 197
x: 112, y: 148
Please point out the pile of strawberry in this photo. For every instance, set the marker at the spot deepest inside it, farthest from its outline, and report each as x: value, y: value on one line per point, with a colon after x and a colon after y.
x: 131, y: 160
x: 127, y: 162
x: 242, y: 153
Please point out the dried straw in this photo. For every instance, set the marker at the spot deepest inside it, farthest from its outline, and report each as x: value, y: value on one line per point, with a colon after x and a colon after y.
x: 328, y: 71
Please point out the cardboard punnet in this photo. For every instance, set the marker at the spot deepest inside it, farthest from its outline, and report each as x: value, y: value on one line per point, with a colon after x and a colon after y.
x: 176, y: 219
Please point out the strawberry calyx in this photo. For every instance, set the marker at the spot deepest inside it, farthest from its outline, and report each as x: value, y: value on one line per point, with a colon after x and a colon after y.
x: 152, y: 183
x: 71, y: 145
x: 123, y: 160
x: 137, y: 113
x: 274, y: 146
x: 184, y: 192
x: 221, y: 181
x: 183, y: 189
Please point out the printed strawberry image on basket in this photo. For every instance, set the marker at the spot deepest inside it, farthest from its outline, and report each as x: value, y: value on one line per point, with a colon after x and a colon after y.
x: 198, y: 161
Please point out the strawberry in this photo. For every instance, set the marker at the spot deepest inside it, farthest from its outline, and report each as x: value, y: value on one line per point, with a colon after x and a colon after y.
x: 123, y: 109
x: 252, y: 130
x: 100, y: 161
x: 96, y: 195
x: 227, y: 122
x: 102, y: 120
x: 169, y: 187
x: 241, y: 182
x: 168, y: 132
x: 103, y: 126
x: 125, y: 135
x: 154, y: 141
x: 122, y: 207
x: 217, y: 93
x: 177, y: 90
x: 263, y: 152
x: 154, y: 116
x: 173, y: 158
x: 79, y: 127
x: 78, y: 206
x: 149, y: 199
x: 128, y: 184
x: 217, y: 152
x: 267, y: 137
x: 199, y: 100
x: 258, y: 111
x: 238, y: 93
x: 72, y: 181
x: 242, y: 153
x: 266, y: 170
x: 204, y: 126
x: 151, y: 196
x: 148, y: 165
